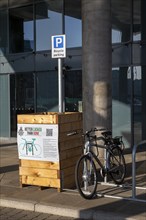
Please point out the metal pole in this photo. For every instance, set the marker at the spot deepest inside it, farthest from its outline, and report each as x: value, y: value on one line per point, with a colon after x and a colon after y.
x: 133, y: 172
x: 106, y: 165
x: 60, y: 96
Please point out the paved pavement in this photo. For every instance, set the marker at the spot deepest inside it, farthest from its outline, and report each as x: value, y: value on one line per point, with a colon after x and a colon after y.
x: 18, y: 214
x: 111, y: 203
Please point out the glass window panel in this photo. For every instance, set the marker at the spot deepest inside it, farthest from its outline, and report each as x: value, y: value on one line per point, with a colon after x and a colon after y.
x: 21, y: 29
x: 4, y: 106
x: 73, y: 23
x: 21, y: 97
x: 48, y: 23
x: 47, y: 91
x: 24, y: 93
x: 73, y: 90
x: 121, y: 20
x: 121, y: 95
x: 143, y: 21
x: 3, y: 3
x: 143, y: 54
x: 120, y: 54
x: 18, y: 2
x: 3, y: 32
x: 137, y: 20
x: 136, y: 53
x: 13, y: 105
x: 143, y: 98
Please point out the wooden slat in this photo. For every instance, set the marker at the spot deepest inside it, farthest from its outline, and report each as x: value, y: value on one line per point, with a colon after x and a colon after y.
x: 69, y: 182
x: 69, y: 144
x: 64, y: 137
x: 37, y: 119
x: 69, y: 117
x: 66, y: 172
x: 49, y: 118
x: 69, y: 162
x: 36, y: 172
x: 69, y: 127
x: 40, y: 181
x: 40, y: 164
x: 71, y: 153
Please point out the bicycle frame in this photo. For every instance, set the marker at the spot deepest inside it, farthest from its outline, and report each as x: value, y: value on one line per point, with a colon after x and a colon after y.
x: 88, y: 151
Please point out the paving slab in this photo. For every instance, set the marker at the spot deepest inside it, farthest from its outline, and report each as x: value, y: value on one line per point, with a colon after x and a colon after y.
x: 111, y: 202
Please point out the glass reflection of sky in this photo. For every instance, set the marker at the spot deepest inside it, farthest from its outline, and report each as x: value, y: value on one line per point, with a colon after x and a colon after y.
x: 45, y: 28
x: 52, y: 25
x: 73, y: 29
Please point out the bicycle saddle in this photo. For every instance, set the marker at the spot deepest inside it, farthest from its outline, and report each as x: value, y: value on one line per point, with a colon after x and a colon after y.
x: 106, y: 133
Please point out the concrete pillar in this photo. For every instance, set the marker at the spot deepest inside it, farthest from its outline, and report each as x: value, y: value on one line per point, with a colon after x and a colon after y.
x: 96, y: 53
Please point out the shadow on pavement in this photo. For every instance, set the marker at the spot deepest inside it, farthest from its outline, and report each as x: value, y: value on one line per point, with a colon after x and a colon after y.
x: 116, y: 210
x: 10, y: 168
x: 8, y: 144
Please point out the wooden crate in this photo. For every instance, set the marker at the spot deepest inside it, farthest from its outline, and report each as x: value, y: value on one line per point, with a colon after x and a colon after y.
x: 60, y: 174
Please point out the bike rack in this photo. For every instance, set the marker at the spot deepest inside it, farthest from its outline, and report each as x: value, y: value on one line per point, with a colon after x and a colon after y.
x: 133, y: 198
x: 134, y: 169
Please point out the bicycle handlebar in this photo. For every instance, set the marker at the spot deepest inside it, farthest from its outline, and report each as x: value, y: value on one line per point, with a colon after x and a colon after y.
x: 87, y: 133
x: 72, y: 133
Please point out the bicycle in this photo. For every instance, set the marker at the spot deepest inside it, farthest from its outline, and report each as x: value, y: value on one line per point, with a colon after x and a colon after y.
x: 86, y: 170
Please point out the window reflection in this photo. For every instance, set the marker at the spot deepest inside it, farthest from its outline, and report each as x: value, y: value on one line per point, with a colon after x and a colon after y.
x: 18, y: 2
x: 121, y: 97
x: 137, y: 20
x: 137, y: 103
x: 21, y: 29
x: 47, y: 96
x: 116, y: 36
x: 3, y: 32
x: 21, y: 97
x: 73, y: 23
x: 73, y: 89
x: 48, y: 23
x: 121, y: 20
x: 3, y: 3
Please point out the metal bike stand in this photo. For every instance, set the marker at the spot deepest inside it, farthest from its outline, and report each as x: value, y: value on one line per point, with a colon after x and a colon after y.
x: 133, y: 197
x: 134, y: 169
x: 105, y: 182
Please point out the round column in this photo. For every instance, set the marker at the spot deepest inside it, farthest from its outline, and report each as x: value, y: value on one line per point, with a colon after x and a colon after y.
x: 97, y: 56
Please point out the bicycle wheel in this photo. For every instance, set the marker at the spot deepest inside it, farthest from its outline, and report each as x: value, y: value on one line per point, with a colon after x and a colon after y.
x: 116, y: 165
x: 86, y: 177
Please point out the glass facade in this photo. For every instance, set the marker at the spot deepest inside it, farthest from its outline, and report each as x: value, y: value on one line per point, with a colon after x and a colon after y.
x: 73, y: 23
x: 3, y: 32
x: 129, y: 110
x: 47, y: 91
x: 21, y: 26
x: 48, y: 19
x: 29, y: 77
x: 25, y: 56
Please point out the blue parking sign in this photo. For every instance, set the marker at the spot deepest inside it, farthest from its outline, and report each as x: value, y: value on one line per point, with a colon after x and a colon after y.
x: 58, y: 42
x: 59, y: 46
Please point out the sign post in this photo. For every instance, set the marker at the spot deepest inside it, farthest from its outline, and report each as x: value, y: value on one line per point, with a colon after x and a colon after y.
x: 59, y: 51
